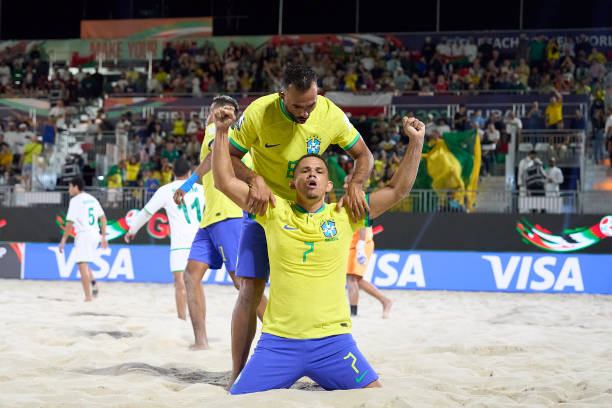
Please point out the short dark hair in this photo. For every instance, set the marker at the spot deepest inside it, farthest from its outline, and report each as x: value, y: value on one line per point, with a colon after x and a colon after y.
x: 226, y: 100
x: 300, y: 76
x: 311, y: 155
x: 532, y: 152
x: 78, y: 182
x: 181, y: 167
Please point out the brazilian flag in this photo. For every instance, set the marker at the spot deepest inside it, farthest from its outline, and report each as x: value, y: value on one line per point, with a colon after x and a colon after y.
x: 451, y: 163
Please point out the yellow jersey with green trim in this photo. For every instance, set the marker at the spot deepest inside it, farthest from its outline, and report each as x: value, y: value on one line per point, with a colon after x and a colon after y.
x: 308, y: 255
x: 218, y: 206
x: 277, y: 142
x: 132, y: 170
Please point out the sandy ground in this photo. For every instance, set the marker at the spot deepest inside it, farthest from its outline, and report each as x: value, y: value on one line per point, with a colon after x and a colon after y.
x: 438, y: 349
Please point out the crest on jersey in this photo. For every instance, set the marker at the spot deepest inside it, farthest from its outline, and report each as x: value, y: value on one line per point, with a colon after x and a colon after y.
x: 329, y: 228
x: 313, y: 145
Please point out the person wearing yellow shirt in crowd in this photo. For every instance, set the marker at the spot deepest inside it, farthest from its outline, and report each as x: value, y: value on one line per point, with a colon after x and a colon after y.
x: 161, y: 76
x: 350, y: 80
x: 361, y: 250
x: 554, y: 111
x: 306, y: 327
x: 166, y: 172
x: 553, y: 52
x: 6, y: 159
x: 179, y: 125
x: 597, y: 56
x: 132, y: 171
x: 216, y: 242
x: 114, y: 183
x: 25, y: 163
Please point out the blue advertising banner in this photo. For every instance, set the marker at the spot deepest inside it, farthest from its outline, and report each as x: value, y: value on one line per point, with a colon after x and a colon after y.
x: 424, y: 270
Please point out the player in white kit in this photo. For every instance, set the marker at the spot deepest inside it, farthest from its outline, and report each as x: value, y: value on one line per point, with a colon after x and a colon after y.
x: 84, y: 211
x: 184, y: 223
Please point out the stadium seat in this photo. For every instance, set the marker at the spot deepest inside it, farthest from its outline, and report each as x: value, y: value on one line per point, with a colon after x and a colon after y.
x: 525, y: 147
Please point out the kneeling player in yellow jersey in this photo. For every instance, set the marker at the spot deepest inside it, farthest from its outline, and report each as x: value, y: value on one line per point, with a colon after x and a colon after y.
x: 306, y: 326
x: 216, y: 242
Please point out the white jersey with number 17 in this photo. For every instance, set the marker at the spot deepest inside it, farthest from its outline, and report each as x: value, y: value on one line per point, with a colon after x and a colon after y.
x: 185, y: 219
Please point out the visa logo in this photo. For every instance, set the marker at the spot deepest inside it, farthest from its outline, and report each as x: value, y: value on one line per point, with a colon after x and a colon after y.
x: 537, y: 274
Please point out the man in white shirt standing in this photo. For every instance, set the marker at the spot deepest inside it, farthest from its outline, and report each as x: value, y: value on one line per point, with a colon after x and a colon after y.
x: 554, y: 178
x: 184, y: 223
x: 84, y: 213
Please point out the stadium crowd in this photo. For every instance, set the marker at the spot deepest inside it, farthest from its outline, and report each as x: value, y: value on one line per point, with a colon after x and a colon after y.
x: 442, y: 68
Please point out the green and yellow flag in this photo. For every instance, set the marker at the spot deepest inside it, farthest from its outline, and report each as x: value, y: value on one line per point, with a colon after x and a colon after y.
x: 451, y: 163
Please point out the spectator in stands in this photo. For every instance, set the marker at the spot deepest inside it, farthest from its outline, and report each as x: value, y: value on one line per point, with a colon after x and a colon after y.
x: 170, y: 152
x: 478, y: 119
x: 537, y: 52
x: 442, y: 127
x: 470, y: 50
x: 132, y: 171
x: 461, y: 119
x: 599, y: 140
x: 428, y: 49
x: 553, y: 52
x: 494, y: 120
x: 363, y: 127
x: 443, y: 48
x: 166, y: 172
x: 554, y: 178
x: 554, y: 111
x: 6, y: 160
x: 578, y: 121
x: 179, y: 124
x: 489, y: 144
x: 514, y: 124
x: 535, y: 117
x: 31, y: 149
x: 522, y: 50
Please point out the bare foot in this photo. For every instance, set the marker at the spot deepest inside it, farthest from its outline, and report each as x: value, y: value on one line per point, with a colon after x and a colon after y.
x: 387, y: 308
x: 89, y: 299
x: 196, y: 347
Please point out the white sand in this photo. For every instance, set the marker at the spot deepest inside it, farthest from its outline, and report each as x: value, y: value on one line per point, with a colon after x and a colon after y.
x: 438, y: 349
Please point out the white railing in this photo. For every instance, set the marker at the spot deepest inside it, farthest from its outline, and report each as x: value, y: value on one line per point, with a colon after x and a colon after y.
x: 419, y: 201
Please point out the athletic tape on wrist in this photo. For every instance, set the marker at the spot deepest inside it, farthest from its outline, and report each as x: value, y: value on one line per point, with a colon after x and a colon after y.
x: 189, y: 183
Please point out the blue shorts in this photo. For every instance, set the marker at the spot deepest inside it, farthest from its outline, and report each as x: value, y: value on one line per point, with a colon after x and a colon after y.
x: 334, y: 362
x: 253, y: 251
x: 217, y: 244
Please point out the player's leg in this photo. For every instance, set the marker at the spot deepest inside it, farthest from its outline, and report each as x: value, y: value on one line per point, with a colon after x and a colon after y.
x: 253, y: 269
x: 373, y: 291
x: 202, y: 255
x: 178, y: 263
x: 352, y: 284
x: 276, y: 363
x: 95, y: 288
x: 85, y: 280
x: 180, y: 295
x: 336, y: 363
x: 226, y: 236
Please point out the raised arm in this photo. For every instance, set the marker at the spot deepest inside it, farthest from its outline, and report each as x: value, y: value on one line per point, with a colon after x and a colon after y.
x: 223, y: 171
x: 403, y: 179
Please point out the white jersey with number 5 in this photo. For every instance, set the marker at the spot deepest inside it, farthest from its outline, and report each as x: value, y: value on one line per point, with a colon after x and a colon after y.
x: 84, y: 211
x: 184, y: 220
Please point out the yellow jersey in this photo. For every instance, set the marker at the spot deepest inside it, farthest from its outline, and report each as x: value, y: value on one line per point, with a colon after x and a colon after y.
x: 132, y: 170
x: 307, y: 282
x: 218, y: 206
x: 30, y: 150
x: 554, y: 113
x: 277, y: 142
x: 166, y: 177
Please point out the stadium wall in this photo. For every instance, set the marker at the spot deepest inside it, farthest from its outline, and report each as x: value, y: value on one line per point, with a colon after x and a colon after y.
x: 540, y: 233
